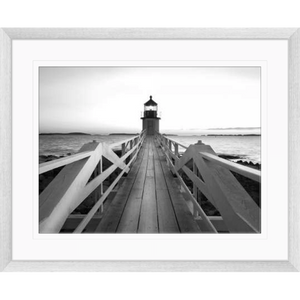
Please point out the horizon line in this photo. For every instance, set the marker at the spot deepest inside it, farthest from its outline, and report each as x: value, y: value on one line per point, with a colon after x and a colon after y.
x: 136, y: 132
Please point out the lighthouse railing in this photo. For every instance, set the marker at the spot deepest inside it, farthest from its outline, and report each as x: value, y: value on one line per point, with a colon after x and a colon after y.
x: 212, y: 178
x: 82, y: 174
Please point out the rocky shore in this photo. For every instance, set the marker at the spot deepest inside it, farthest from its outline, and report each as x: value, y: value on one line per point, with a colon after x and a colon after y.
x: 252, y: 187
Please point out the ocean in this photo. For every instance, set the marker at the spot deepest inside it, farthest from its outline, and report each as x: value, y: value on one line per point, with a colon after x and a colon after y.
x: 247, y: 148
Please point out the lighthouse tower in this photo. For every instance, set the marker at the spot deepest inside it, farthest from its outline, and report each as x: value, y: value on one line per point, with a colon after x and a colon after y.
x: 150, y: 119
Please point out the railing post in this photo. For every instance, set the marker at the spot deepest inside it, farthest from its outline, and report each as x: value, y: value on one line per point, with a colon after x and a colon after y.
x: 101, y: 185
x: 131, y: 146
x: 195, y: 191
x: 123, y: 149
x: 98, y: 193
x: 95, y: 174
x: 167, y: 153
x: 168, y: 161
x: 176, y: 150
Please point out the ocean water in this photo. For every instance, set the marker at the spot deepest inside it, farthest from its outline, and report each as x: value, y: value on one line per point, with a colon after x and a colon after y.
x: 245, y: 147
x: 69, y: 144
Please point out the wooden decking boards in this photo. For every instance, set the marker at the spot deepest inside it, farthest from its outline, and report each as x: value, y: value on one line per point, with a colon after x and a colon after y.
x: 149, y: 200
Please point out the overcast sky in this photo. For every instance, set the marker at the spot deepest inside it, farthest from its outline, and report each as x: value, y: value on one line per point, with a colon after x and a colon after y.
x: 110, y: 99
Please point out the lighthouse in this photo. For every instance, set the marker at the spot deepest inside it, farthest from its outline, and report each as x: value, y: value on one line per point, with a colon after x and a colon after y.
x: 150, y: 119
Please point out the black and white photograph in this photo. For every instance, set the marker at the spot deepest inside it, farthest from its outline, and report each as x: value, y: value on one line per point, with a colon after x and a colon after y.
x: 149, y: 150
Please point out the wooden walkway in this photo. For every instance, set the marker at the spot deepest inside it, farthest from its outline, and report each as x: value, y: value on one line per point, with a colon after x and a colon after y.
x: 149, y: 200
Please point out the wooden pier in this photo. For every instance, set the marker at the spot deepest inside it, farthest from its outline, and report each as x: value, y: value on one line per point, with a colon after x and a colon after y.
x: 149, y: 193
x: 149, y: 200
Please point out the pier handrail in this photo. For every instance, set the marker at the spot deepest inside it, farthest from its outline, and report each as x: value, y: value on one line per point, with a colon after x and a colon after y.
x: 173, y: 141
x: 60, y: 162
x: 82, y: 174
x: 211, y: 177
x: 240, y: 169
x: 53, y: 164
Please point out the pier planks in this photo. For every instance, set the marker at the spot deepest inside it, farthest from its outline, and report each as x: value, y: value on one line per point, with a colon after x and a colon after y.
x: 149, y: 200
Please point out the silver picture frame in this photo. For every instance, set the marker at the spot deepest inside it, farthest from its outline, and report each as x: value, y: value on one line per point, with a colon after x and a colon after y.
x: 292, y: 35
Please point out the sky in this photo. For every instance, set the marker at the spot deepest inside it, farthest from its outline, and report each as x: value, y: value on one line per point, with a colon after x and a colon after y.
x: 101, y: 100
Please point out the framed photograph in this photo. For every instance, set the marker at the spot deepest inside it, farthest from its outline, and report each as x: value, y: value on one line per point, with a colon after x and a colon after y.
x: 149, y: 149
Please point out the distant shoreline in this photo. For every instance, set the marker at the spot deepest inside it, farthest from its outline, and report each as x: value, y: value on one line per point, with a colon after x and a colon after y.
x: 235, y: 128
x: 70, y: 133
x: 83, y: 133
x: 214, y: 134
x: 250, y: 134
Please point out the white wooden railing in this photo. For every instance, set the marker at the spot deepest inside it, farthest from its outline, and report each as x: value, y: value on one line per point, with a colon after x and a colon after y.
x: 211, y: 176
x: 73, y: 184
